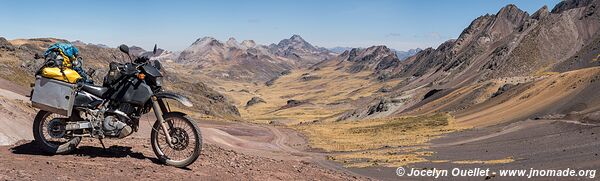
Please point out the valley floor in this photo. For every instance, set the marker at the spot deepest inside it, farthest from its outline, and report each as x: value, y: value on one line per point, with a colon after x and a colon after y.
x: 537, y: 144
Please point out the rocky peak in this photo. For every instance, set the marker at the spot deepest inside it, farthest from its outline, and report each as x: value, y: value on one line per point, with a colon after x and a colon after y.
x: 381, y: 49
x: 513, y: 14
x: 489, y: 28
x: 375, y: 58
x: 510, y: 9
x: 207, y: 41
x: 540, y: 13
x: 297, y: 38
x: 248, y: 43
x: 570, y: 4
x: 295, y: 42
x: 297, y: 48
x: 231, y: 42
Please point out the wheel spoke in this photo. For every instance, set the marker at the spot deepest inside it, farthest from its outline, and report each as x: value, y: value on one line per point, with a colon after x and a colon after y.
x: 55, y: 142
x: 184, y: 140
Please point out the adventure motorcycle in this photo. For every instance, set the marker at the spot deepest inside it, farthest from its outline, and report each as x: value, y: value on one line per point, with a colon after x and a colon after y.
x: 113, y: 111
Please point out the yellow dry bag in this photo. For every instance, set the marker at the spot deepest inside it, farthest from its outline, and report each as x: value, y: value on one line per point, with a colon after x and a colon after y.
x: 67, y: 74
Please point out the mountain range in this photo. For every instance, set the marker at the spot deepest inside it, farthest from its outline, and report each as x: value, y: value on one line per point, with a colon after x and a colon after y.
x: 399, y: 53
x: 248, y: 60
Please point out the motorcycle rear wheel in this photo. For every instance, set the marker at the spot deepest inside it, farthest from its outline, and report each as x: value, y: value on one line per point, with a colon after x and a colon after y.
x: 42, y: 135
x: 186, y: 136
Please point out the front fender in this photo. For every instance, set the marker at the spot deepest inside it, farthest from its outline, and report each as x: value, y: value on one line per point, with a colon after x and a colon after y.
x: 169, y: 95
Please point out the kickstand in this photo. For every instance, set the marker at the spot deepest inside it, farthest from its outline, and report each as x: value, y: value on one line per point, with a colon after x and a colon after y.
x: 102, y: 143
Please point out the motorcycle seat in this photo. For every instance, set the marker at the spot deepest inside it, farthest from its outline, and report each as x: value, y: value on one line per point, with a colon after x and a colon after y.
x: 95, y: 90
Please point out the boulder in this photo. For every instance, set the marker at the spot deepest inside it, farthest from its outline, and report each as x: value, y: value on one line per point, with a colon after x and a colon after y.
x: 5, y: 45
x: 255, y: 100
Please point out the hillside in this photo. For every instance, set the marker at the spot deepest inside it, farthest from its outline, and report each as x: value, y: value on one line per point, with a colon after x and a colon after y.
x: 508, y: 45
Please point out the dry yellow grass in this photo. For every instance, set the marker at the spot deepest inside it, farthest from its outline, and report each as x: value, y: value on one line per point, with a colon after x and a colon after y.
x: 377, y: 133
x: 539, y: 74
x: 544, y: 72
x: 379, y: 142
x: 11, y: 70
x: 385, y: 158
x: 324, y: 96
x: 497, y: 161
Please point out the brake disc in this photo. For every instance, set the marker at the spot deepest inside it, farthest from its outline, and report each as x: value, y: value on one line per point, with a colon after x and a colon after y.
x: 180, y: 139
x: 56, y: 128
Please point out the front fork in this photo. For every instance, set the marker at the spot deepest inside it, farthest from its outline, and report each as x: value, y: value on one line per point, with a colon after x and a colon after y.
x: 158, y: 111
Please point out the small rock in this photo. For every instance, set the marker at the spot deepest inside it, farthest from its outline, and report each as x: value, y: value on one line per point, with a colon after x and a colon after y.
x: 255, y: 100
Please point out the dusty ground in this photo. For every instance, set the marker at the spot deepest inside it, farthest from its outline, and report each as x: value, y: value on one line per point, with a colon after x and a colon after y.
x: 132, y: 159
x: 539, y: 144
x: 232, y: 151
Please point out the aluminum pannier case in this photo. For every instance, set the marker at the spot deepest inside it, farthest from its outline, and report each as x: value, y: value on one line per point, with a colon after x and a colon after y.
x: 53, y: 95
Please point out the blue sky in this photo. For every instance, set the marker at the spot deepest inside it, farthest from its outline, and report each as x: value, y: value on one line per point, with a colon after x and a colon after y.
x: 175, y: 24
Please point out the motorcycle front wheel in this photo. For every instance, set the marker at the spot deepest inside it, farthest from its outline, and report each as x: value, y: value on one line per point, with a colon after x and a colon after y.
x: 185, y: 137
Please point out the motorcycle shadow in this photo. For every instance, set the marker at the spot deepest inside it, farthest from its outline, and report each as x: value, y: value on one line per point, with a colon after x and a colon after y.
x: 114, y: 151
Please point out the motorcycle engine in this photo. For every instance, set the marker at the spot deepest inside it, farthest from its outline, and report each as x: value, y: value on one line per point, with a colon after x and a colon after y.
x: 114, y: 127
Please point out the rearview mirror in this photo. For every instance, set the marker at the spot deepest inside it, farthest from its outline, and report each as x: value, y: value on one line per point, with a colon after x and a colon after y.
x: 124, y: 49
x: 154, y: 51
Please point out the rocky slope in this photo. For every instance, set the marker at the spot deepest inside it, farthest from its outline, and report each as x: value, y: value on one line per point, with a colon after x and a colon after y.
x: 298, y: 49
x: 379, y: 60
x: 510, y: 44
x: 402, y: 55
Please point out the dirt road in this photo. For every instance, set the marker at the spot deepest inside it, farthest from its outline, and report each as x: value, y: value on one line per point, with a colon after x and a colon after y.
x: 231, y: 151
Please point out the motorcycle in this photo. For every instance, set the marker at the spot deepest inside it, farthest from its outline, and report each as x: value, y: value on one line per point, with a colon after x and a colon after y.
x: 113, y: 110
